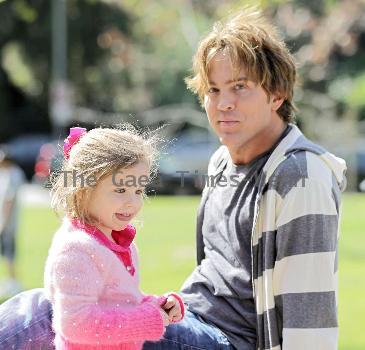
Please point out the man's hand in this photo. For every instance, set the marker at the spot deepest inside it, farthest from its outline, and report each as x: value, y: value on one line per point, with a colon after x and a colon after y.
x: 172, y: 308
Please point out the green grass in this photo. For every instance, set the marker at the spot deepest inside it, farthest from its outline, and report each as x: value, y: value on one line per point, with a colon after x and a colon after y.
x: 351, y: 273
x: 166, y: 241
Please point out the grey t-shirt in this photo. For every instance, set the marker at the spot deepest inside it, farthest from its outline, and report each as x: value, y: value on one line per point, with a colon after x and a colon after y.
x: 220, y: 288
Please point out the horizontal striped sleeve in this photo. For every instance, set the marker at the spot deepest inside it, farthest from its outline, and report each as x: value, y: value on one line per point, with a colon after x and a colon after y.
x: 294, y: 247
x: 306, y: 240
x: 295, y: 238
x: 304, y: 276
x: 305, y: 339
x: 308, y: 197
x: 320, y: 324
x: 292, y: 239
x: 307, y: 310
x: 313, y: 272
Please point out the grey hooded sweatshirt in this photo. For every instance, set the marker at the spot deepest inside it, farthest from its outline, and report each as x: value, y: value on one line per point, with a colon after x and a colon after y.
x: 275, y: 285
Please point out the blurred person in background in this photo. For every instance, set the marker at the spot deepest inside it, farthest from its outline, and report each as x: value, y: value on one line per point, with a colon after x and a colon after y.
x: 11, y: 178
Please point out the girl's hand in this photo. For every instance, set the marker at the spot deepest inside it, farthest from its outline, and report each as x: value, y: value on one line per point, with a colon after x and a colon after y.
x: 172, y: 307
x: 165, y: 318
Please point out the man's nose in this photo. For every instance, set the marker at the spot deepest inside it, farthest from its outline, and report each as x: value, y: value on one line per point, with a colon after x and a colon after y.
x: 226, y: 103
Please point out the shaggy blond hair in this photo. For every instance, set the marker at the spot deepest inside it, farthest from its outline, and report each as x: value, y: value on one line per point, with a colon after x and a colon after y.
x: 99, y: 153
x: 250, y: 41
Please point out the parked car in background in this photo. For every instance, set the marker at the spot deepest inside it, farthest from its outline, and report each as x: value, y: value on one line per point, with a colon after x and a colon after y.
x: 184, y: 162
x: 189, y: 143
x: 48, y: 161
x: 24, y: 150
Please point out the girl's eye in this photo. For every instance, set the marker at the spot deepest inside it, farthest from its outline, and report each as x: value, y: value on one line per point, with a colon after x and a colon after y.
x: 139, y: 192
x: 119, y: 190
x: 212, y: 90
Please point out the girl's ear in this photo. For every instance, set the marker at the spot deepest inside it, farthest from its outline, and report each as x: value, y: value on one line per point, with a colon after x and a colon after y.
x: 80, y: 195
x: 80, y: 201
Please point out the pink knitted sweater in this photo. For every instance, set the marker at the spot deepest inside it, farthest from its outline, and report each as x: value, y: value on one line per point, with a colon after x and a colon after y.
x: 97, y: 303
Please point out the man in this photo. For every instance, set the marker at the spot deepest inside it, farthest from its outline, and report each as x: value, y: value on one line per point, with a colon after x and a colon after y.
x: 268, y: 224
x: 267, y: 229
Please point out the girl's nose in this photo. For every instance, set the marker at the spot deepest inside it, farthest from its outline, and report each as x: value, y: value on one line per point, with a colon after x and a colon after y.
x: 131, y: 200
x: 128, y: 201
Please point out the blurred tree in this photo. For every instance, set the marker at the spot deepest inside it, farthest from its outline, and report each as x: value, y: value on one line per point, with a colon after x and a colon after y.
x: 25, y: 59
x: 328, y: 40
x: 132, y: 55
x: 18, y: 111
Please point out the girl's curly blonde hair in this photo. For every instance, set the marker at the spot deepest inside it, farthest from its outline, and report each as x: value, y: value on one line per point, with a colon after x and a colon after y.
x: 99, y: 153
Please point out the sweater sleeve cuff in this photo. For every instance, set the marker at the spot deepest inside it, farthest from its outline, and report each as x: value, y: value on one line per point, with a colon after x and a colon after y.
x: 181, y: 303
x: 159, y: 300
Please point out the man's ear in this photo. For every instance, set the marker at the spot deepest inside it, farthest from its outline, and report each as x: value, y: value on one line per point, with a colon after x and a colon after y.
x: 277, y: 101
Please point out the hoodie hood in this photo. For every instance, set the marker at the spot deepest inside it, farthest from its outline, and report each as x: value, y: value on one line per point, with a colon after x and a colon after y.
x: 294, y: 142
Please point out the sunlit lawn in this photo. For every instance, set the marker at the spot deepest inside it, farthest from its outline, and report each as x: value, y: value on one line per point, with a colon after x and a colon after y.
x: 166, y: 240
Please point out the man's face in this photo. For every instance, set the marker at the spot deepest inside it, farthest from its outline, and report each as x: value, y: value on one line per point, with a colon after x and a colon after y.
x: 239, y: 111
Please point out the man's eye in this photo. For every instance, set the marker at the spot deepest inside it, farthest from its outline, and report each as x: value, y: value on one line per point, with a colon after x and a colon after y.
x: 212, y: 90
x: 120, y: 190
x: 239, y: 87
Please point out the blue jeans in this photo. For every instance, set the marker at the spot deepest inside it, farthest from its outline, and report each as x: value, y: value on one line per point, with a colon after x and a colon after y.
x: 192, y: 333
x: 25, y: 324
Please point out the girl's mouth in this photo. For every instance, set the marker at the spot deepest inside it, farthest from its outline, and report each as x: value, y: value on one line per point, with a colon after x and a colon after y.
x: 123, y: 216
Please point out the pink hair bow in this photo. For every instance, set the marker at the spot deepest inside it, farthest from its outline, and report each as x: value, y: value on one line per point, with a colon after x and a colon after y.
x: 72, y: 138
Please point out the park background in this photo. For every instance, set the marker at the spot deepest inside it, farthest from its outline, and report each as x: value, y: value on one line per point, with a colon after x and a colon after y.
x: 94, y: 62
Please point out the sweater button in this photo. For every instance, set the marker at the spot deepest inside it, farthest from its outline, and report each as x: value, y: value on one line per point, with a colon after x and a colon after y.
x: 129, y: 268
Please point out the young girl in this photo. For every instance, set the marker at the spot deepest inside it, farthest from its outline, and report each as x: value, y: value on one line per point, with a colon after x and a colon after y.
x: 91, y: 274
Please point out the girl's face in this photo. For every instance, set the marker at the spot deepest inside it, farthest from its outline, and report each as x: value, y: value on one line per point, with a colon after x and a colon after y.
x: 118, y: 197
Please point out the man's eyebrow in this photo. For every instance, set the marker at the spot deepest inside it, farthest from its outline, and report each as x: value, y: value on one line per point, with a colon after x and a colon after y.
x: 230, y: 81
